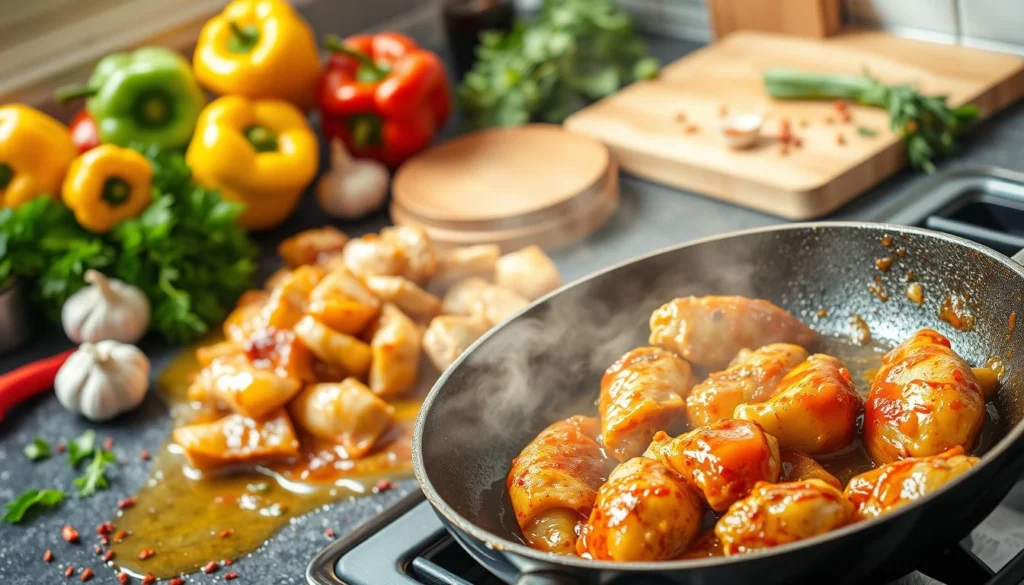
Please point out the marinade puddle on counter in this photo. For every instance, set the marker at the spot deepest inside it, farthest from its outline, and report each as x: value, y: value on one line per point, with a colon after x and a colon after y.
x: 189, y: 521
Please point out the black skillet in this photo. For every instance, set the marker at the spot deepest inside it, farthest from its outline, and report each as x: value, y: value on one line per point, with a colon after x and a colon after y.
x: 545, y: 364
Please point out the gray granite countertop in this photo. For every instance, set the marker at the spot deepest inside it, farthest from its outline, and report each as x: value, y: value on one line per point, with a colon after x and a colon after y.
x: 649, y: 217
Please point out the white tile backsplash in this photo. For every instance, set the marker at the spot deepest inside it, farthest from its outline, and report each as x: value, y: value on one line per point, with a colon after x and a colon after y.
x: 993, y: 23
x: 938, y: 17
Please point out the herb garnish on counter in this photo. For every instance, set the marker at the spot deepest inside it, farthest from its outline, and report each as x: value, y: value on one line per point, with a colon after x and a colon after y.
x: 572, y: 53
x: 186, y: 252
x: 928, y: 125
x: 16, y: 509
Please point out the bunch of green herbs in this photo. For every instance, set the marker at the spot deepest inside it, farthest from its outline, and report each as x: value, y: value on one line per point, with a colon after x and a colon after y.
x: 186, y: 252
x: 571, y: 54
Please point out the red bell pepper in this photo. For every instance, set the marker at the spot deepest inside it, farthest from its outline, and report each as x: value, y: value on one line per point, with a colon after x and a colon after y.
x: 84, y: 133
x: 383, y: 96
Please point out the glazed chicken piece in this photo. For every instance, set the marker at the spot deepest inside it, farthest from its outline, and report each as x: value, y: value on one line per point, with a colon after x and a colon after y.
x: 334, y: 347
x: 312, y: 246
x: 234, y: 382
x: 644, y: 512
x: 752, y: 376
x: 814, y: 408
x: 776, y: 514
x: 346, y: 413
x: 924, y: 400
x: 371, y: 255
x: 724, y: 460
x: 798, y: 466
x: 448, y: 336
x: 410, y: 298
x: 642, y: 393
x: 342, y: 302
x: 890, y: 486
x: 709, y: 331
x: 554, y: 481
x: 238, y: 440
x: 529, y: 272
x: 205, y: 354
x: 290, y: 299
x: 281, y: 352
x: 246, y: 316
x: 475, y: 296
x: 462, y: 263
x: 395, y: 347
x: 706, y: 546
x: 415, y: 246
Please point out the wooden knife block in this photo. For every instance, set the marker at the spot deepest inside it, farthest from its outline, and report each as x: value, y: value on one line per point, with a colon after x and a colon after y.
x: 804, y: 18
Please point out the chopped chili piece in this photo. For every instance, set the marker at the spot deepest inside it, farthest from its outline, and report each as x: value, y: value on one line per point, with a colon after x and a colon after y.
x: 680, y: 117
x: 692, y: 129
x: 230, y: 576
x: 383, y: 486
x: 226, y: 532
x: 144, y: 455
x: 108, y: 443
x: 121, y: 534
x: 830, y: 120
x: 841, y: 105
x: 329, y: 533
x: 176, y: 581
x: 126, y: 503
x: 105, y: 528
x: 785, y: 132
x: 122, y: 578
x: 86, y: 574
x: 149, y: 579
x: 211, y: 567
x: 104, y: 540
x: 226, y: 562
x: 846, y: 117
x: 97, y: 549
x: 723, y: 111
x: 69, y: 571
x: 840, y: 139
x: 61, y: 447
x: 146, y: 553
x: 69, y: 534
x: 48, y: 556
x: 797, y: 142
x: 109, y: 556
x: 804, y: 123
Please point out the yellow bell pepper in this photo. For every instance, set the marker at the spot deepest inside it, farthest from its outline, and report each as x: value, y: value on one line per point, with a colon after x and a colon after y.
x: 35, y: 151
x: 107, y: 185
x: 259, y: 152
x: 259, y: 49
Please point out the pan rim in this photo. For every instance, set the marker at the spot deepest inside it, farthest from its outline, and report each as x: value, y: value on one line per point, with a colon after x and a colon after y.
x: 496, y: 542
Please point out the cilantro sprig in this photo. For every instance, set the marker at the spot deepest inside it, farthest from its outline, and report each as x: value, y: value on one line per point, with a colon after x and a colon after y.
x: 95, y: 478
x: 186, y: 252
x: 81, y: 447
x: 37, y: 449
x: 16, y: 510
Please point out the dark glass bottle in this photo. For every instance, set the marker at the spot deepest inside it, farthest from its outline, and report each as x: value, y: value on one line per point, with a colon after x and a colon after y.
x: 464, y: 20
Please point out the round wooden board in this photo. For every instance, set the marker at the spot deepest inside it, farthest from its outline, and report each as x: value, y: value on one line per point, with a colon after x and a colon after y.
x: 503, y: 179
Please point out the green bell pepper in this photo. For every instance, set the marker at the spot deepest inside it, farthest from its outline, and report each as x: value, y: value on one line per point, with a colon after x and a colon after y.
x: 146, y: 97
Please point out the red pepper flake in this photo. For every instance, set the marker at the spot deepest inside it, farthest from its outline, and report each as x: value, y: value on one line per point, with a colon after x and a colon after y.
x: 108, y: 443
x: 146, y: 553
x: 230, y: 576
x: 86, y: 574
x: 226, y: 533
x: 680, y: 117
x: 830, y: 120
x: 69, y: 534
x: 122, y: 578
x: 176, y: 581
x: 840, y: 105
x: 69, y: 571
x: 104, y: 540
x: 126, y: 503
x: 48, y: 556
x: 784, y: 149
x: 329, y: 533
x: 226, y: 562
x: 211, y: 567
x: 144, y: 455
x: 97, y: 549
x: 109, y: 556
x: 105, y: 528
x: 846, y: 117
x: 121, y: 534
x: 804, y: 123
x: 691, y: 129
x: 785, y: 132
x: 723, y: 111
x: 840, y: 139
x: 798, y: 142
x: 149, y: 579
x: 61, y: 447
x: 383, y: 486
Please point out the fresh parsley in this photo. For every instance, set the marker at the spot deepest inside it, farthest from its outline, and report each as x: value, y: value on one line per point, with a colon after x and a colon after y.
x: 186, y: 252
x: 37, y: 449
x: 81, y: 447
x: 95, y: 477
x: 16, y: 509
x: 572, y: 53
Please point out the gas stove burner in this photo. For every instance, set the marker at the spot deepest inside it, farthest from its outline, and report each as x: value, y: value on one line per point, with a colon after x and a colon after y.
x: 407, y: 545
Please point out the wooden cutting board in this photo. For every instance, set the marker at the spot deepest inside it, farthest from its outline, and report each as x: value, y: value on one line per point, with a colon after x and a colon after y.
x: 668, y: 129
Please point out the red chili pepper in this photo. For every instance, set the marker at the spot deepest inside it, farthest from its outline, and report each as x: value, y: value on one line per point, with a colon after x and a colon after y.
x: 25, y: 382
x: 84, y: 133
x: 383, y: 96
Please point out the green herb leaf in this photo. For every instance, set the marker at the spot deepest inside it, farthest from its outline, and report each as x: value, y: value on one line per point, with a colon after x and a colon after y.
x: 81, y: 447
x: 29, y: 499
x: 37, y: 449
x: 95, y: 477
x: 865, y: 131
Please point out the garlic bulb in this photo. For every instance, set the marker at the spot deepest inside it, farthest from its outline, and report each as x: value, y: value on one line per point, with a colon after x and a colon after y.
x: 353, y: 187
x: 107, y: 309
x: 102, y: 380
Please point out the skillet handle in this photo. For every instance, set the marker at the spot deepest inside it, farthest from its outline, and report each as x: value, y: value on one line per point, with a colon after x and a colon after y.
x: 547, y: 579
x: 1018, y: 257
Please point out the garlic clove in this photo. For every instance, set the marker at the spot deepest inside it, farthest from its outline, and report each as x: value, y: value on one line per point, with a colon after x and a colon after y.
x: 742, y: 130
x: 102, y: 380
x: 106, y: 309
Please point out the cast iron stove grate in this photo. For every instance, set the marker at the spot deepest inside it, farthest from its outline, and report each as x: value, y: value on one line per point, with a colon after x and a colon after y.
x: 407, y: 545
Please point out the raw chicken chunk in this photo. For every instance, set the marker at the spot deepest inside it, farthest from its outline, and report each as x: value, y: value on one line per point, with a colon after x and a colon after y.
x: 529, y: 272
